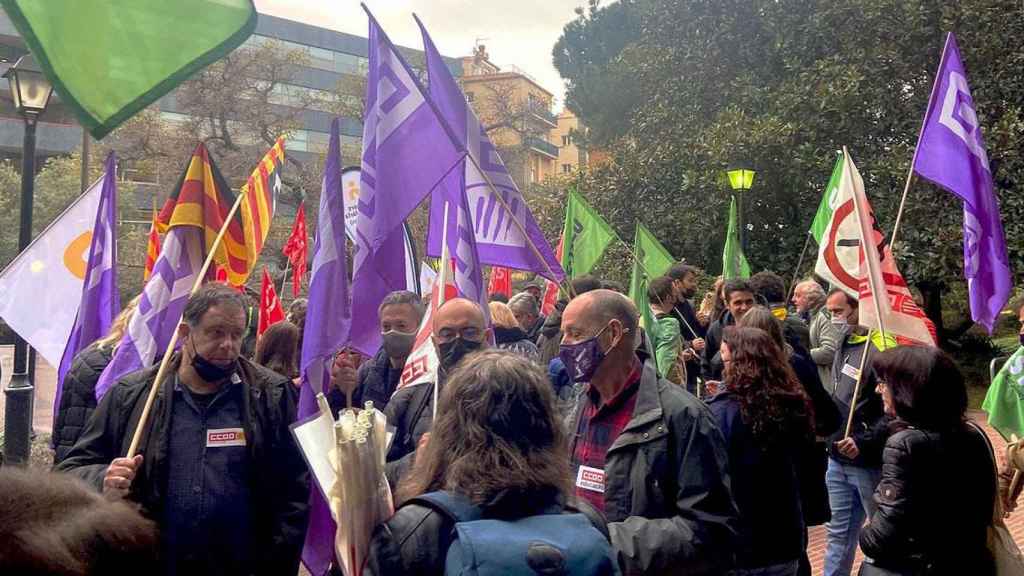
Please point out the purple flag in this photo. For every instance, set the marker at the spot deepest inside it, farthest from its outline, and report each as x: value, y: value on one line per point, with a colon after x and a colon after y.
x: 328, y: 318
x: 407, y: 151
x: 462, y: 242
x: 501, y: 242
x: 100, y: 298
x: 951, y: 153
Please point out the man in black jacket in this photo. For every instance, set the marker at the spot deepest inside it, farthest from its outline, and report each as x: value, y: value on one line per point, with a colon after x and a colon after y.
x: 217, y: 467
x: 854, y: 464
x: 684, y: 279
x: 459, y: 329
x: 739, y: 298
x: 645, y: 451
x: 400, y: 314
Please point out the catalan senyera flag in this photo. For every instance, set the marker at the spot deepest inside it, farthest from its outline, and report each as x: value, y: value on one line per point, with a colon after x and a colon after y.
x: 152, y: 247
x: 204, y: 199
x: 259, y: 197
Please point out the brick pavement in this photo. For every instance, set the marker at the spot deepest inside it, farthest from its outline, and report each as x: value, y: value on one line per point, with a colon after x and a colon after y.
x: 816, y: 544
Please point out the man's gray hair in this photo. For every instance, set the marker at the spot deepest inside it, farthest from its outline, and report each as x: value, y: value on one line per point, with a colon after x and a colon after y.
x: 403, y: 297
x: 609, y: 305
x: 524, y: 302
x: 813, y: 292
x: 209, y: 295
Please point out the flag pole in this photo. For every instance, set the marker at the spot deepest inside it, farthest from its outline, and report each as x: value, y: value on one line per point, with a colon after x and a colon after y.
x: 442, y: 277
x: 917, y: 146
x: 165, y: 361
x: 284, y: 279
x: 799, y: 263
x: 856, y: 386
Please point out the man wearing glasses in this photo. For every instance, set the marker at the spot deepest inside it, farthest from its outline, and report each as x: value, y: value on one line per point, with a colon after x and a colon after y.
x: 459, y: 329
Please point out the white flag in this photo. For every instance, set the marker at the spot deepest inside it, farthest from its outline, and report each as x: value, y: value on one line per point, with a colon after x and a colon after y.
x: 41, y: 288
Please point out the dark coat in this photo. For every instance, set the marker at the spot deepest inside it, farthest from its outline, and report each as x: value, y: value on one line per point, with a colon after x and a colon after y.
x: 416, y: 539
x: 376, y: 381
x: 533, y: 334
x: 78, y: 398
x: 870, y: 426
x: 515, y: 340
x: 280, y: 490
x: 411, y: 412
x: 765, y: 486
x: 813, y: 461
x: 690, y: 331
x: 666, y: 493
x: 924, y: 472
x: 710, y: 360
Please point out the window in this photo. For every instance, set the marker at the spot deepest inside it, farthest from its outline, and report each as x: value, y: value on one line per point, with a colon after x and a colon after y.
x: 566, y: 140
x: 470, y: 96
x: 566, y: 168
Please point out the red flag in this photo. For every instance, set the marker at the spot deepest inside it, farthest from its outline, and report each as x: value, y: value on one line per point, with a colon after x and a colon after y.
x: 295, y: 249
x: 501, y: 281
x: 152, y: 248
x: 270, y: 306
x: 551, y: 288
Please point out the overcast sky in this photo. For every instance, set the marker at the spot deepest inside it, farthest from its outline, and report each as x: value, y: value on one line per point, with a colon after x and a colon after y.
x: 517, y: 32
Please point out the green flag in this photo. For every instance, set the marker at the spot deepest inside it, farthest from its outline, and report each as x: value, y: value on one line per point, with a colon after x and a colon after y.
x: 734, y: 263
x: 108, y: 59
x: 638, y: 284
x: 585, y: 237
x: 824, y: 214
x: 656, y: 259
x: 1004, y: 401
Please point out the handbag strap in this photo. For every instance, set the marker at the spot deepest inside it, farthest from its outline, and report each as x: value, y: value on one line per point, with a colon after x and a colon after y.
x: 997, y: 506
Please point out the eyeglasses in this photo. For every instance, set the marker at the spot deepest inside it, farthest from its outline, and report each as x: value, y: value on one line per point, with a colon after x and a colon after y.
x: 471, y: 333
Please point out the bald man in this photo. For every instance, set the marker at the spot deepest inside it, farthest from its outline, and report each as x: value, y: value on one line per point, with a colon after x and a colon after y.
x: 644, y: 451
x: 458, y: 329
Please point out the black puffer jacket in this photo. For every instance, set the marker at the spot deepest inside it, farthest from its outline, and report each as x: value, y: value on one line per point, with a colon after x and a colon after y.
x: 78, y: 398
x: 924, y: 472
x: 280, y: 490
x: 416, y: 539
x: 551, y: 334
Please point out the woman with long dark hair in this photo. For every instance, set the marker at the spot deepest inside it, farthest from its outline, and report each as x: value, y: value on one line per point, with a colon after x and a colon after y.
x: 765, y: 417
x: 497, y: 442
x: 935, y: 464
x: 813, y: 461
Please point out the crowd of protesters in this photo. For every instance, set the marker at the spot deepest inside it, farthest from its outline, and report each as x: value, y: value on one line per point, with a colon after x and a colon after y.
x: 706, y: 443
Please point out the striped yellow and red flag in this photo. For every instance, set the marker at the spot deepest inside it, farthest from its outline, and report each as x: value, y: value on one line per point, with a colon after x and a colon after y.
x: 259, y: 197
x: 204, y: 199
x: 152, y: 247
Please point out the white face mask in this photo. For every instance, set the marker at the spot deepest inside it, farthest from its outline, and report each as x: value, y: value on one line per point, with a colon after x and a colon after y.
x: 839, y: 322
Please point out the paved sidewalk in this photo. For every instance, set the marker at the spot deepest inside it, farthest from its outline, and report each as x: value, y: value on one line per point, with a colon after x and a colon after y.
x: 46, y: 385
x: 816, y: 544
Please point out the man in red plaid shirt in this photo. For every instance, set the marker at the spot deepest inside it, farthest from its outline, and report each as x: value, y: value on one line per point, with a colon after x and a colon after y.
x: 645, y: 451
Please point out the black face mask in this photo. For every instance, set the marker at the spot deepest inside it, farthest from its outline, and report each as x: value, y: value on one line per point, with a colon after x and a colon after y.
x: 453, y: 351
x: 210, y: 371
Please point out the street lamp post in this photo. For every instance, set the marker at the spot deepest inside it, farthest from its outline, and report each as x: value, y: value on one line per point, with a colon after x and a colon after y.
x: 740, y: 180
x: 31, y: 93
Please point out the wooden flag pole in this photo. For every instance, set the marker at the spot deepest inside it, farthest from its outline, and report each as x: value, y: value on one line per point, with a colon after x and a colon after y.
x: 903, y: 202
x: 165, y: 361
x: 856, y: 386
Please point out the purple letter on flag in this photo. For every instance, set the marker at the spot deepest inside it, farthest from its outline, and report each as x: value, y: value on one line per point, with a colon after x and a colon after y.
x: 951, y: 153
x: 100, y: 298
x: 407, y: 151
x: 500, y: 240
x: 328, y: 318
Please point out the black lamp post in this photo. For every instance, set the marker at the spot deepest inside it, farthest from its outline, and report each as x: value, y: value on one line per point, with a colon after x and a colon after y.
x: 741, y: 180
x: 30, y: 91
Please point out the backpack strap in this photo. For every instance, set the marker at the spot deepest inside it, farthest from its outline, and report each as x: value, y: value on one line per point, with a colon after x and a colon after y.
x: 455, y: 507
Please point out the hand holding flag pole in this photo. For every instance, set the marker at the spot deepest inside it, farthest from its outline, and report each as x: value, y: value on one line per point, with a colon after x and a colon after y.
x: 165, y: 361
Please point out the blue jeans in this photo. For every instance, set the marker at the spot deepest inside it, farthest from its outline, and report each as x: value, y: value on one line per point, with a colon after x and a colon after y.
x: 784, y: 569
x: 850, y: 491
